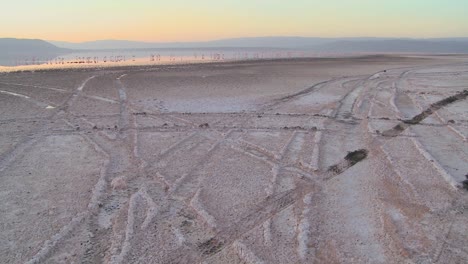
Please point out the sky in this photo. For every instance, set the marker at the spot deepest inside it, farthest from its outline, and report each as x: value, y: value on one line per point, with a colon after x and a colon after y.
x: 198, y: 20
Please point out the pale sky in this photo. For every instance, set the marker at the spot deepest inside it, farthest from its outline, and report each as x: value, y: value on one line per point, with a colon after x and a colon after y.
x: 184, y: 20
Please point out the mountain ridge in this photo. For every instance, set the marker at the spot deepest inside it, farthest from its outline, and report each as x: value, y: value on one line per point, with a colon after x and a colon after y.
x: 256, y: 42
x: 13, y: 49
x: 22, y: 46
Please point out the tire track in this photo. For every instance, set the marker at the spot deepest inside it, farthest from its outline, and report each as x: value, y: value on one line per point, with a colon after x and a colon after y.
x: 259, y: 214
x: 7, y: 158
x: 402, y: 126
x: 29, y: 99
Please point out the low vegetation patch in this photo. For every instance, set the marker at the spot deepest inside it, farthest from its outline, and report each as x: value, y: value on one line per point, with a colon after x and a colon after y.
x: 356, y: 156
x: 211, y: 247
x: 465, y: 183
x: 423, y: 115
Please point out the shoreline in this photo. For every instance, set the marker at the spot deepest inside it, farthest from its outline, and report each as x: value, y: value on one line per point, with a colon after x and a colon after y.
x: 139, y: 65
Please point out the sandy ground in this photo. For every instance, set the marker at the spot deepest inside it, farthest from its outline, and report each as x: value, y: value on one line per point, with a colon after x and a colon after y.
x: 249, y: 162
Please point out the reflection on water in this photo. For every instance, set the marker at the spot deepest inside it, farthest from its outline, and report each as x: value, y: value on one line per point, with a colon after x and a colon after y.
x: 157, y: 55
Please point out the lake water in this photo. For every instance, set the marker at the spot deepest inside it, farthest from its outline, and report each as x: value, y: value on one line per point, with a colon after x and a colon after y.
x: 160, y: 55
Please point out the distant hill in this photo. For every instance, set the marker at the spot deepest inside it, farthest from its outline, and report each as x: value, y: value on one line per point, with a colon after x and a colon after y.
x: 14, y: 49
x: 255, y: 42
x: 397, y: 45
x: 271, y: 42
x: 441, y: 45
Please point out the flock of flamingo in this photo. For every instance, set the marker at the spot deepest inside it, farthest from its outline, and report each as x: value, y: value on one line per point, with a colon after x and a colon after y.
x: 153, y: 58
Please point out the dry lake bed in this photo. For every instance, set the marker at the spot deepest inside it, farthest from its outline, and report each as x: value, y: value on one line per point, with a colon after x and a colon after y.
x: 341, y: 160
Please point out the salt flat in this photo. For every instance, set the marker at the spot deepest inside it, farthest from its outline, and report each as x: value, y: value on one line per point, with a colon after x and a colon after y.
x: 343, y: 160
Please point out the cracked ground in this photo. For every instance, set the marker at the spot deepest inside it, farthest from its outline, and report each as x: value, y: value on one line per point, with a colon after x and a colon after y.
x: 346, y: 160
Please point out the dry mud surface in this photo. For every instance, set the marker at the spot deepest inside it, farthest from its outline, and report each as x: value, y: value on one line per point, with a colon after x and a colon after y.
x: 356, y: 160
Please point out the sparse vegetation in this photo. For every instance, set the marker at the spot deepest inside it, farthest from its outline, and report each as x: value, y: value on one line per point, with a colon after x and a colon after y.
x: 211, y: 246
x: 335, y: 169
x: 423, y: 115
x: 356, y: 156
x: 465, y: 182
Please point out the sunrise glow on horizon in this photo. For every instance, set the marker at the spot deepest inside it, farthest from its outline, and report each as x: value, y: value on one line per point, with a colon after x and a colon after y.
x: 179, y: 20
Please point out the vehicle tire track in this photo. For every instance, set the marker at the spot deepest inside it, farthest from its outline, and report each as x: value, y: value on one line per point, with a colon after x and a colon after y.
x: 27, y: 141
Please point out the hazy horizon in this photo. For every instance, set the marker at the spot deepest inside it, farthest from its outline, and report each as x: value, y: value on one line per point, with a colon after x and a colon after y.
x: 179, y: 21
x: 253, y: 37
